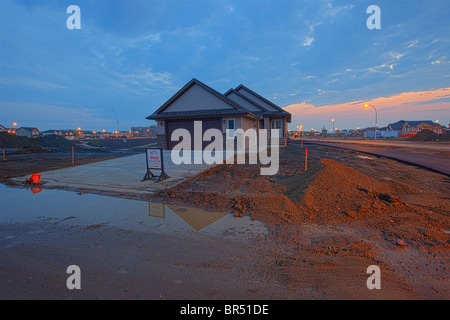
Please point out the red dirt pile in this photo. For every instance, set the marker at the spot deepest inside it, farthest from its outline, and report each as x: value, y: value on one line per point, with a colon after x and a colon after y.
x: 328, y: 193
x: 339, y: 193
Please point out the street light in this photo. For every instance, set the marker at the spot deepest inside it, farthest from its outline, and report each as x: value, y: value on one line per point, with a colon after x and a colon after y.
x: 376, y: 118
x: 334, y: 135
x: 14, y: 124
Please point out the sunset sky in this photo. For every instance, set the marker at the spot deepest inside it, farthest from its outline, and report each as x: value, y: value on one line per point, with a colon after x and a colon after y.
x: 315, y: 58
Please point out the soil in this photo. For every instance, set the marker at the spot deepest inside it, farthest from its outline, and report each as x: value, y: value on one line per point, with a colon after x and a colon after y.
x: 22, y: 164
x: 327, y: 225
x: 346, y: 210
x: 428, y: 135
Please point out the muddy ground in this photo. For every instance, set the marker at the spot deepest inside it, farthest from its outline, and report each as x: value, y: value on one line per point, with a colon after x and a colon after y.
x: 345, y: 211
x: 326, y: 226
x: 18, y: 165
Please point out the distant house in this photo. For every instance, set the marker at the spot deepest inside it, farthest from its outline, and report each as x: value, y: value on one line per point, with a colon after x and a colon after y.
x: 239, y: 108
x: 3, y: 129
x: 27, y: 132
x: 396, y: 126
x: 50, y: 132
x: 414, y: 127
x: 411, y: 128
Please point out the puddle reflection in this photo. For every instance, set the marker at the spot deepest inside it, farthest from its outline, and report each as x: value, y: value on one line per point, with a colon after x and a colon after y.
x: 20, y: 205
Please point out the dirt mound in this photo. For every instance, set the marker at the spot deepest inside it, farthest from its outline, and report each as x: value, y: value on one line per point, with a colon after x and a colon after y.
x: 329, y: 192
x: 340, y: 193
x: 8, y: 140
x: 428, y: 135
x: 39, y: 144
x: 53, y: 141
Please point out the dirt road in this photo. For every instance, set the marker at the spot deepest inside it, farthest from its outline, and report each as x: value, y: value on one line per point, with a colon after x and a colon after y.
x: 424, y: 158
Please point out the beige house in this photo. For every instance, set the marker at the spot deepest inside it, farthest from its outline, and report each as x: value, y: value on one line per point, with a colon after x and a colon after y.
x: 28, y: 132
x: 239, y: 108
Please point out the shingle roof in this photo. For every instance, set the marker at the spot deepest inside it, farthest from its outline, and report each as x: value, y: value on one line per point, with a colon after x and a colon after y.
x: 236, y: 107
x: 29, y: 128
x: 416, y: 123
x: 200, y: 113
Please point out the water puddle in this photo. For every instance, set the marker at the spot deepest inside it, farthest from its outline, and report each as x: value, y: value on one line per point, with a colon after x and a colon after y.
x: 58, y: 206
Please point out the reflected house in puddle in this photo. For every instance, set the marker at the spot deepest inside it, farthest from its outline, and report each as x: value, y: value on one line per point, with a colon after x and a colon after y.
x: 197, y: 218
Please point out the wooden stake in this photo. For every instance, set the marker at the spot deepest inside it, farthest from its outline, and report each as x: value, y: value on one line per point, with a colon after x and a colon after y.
x: 4, y: 159
x: 306, y: 159
x: 73, y: 157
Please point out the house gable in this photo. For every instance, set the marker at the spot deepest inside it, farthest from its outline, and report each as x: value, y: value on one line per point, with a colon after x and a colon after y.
x: 266, y: 104
x: 196, y: 96
x: 244, y: 101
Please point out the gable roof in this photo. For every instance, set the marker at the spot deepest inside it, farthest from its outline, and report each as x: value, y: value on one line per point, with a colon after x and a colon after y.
x: 258, y: 99
x: 189, y: 85
x: 254, y: 94
x: 227, y: 106
x: 233, y: 91
x: 28, y: 128
x: 397, y: 125
x: 416, y: 123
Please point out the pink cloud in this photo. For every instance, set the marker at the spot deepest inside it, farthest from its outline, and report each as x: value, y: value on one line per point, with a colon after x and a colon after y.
x: 420, y: 105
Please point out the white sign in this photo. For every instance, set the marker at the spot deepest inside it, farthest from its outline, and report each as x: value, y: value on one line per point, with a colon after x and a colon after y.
x: 154, y: 159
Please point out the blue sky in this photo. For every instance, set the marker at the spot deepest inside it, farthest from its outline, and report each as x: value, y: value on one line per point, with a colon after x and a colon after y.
x: 315, y: 58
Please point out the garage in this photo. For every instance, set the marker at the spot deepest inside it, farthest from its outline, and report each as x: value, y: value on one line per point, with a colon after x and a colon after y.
x: 188, y: 124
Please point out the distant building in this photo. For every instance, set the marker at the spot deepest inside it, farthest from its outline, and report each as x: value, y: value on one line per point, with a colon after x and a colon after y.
x: 3, y: 129
x: 381, y: 134
x: 50, y: 132
x: 411, y: 128
x: 396, y: 126
x: 414, y: 127
x: 144, y: 131
x: 28, y: 132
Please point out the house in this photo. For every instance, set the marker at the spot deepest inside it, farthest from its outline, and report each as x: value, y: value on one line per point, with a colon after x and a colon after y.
x: 3, y: 129
x: 50, y: 132
x: 411, y: 128
x: 28, y: 132
x: 396, y: 126
x: 239, y: 108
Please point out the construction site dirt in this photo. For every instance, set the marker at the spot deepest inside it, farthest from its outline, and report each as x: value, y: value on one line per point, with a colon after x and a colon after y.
x: 326, y: 225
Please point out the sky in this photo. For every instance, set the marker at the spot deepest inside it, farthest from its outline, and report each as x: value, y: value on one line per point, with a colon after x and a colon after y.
x: 315, y: 58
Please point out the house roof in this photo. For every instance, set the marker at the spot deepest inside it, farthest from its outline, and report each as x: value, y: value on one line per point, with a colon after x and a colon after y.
x: 233, y: 91
x: 194, y: 81
x: 235, y: 107
x: 397, y: 125
x: 28, y: 128
x: 259, y: 97
x: 416, y: 123
x: 201, y: 113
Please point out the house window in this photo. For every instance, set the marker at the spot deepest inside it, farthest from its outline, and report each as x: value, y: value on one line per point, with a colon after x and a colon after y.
x: 231, y: 126
x: 276, y: 124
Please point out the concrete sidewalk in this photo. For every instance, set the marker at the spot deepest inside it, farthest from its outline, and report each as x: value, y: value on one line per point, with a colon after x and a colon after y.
x: 120, y: 175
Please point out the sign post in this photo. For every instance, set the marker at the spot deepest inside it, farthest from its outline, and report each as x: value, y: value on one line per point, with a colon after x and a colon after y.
x: 155, y: 161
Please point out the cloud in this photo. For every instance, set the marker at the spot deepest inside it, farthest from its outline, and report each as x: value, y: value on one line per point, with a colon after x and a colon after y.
x: 308, y: 41
x: 426, y: 105
x: 31, y: 83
